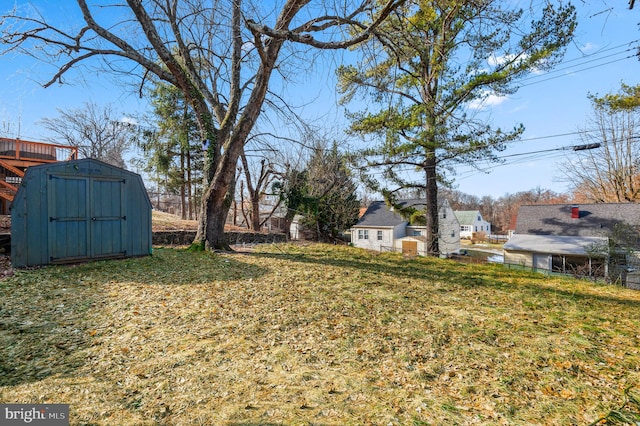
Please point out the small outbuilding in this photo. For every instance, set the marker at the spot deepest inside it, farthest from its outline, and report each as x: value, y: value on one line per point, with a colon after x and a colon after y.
x: 381, y: 228
x: 79, y: 210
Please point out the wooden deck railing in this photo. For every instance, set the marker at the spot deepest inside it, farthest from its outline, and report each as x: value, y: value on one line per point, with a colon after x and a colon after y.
x: 17, y: 155
x: 16, y: 149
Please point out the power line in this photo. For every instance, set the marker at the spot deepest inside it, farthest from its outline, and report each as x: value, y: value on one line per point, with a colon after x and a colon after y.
x: 577, y: 71
x: 587, y: 59
x: 602, y: 51
x: 547, y: 154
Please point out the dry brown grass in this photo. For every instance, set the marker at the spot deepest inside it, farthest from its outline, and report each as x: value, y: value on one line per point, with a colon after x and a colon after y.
x: 162, y: 221
x: 318, y: 335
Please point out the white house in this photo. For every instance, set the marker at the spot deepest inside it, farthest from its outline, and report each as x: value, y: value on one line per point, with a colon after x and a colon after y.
x: 471, y: 221
x: 382, y: 229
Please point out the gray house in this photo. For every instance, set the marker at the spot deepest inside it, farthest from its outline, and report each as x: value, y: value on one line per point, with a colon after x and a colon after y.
x: 79, y: 210
x: 382, y: 229
x: 576, y: 239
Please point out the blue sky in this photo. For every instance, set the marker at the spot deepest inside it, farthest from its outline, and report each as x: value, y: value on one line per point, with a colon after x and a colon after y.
x: 550, y: 104
x: 556, y: 103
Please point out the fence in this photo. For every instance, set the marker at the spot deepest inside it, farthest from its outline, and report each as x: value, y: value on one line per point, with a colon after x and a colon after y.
x: 497, y: 239
x: 625, y: 279
x: 169, y: 203
x: 468, y: 259
x: 521, y: 267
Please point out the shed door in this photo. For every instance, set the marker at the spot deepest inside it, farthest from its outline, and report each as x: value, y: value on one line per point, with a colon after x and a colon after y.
x: 85, y: 218
x: 106, y: 217
x: 68, y: 218
x: 410, y: 248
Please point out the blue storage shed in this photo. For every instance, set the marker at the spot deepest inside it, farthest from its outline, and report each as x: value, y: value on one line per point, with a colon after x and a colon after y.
x: 79, y: 210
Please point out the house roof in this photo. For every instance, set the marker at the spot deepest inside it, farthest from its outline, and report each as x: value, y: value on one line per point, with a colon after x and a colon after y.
x: 556, y: 244
x: 466, y: 217
x: 378, y: 214
x: 593, y: 219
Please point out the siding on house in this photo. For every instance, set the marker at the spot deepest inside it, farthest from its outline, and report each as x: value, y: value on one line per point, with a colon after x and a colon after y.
x: 449, y: 241
x: 367, y: 237
x: 522, y: 258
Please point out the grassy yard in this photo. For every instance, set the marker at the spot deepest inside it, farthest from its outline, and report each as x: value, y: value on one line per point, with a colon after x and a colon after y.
x: 319, y: 335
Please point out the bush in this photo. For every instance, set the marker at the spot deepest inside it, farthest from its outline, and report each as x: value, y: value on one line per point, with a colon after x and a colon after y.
x: 478, y: 237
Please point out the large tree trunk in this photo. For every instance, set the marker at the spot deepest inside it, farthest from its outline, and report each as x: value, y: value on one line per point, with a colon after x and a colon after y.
x: 216, y: 202
x: 432, y: 205
x: 213, y: 216
x: 214, y: 210
x: 255, y: 212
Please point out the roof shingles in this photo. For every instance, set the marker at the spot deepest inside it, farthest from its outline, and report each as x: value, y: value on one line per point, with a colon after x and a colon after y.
x: 380, y: 215
x: 593, y: 220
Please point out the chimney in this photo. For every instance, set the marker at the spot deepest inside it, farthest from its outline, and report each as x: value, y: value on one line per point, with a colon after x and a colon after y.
x: 575, y: 212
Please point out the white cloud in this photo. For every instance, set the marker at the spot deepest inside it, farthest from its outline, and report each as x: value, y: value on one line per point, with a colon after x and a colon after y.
x: 489, y: 100
x: 501, y: 60
x: 496, y: 61
x: 128, y: 120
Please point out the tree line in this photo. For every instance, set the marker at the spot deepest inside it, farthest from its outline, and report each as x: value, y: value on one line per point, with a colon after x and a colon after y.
x: 317, y: 181
x: 209, y: 70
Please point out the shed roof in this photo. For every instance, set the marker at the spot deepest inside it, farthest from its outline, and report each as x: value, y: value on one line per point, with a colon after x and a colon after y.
x: 555, y: 244
x: 593, y: 219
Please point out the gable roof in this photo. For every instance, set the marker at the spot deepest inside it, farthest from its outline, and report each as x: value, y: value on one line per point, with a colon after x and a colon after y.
x: 466, y: 217
x: 593, y: 219
x: 378, y: 214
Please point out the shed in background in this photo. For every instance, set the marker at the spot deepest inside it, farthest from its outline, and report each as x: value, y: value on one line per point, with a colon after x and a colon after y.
x: 79, y: 210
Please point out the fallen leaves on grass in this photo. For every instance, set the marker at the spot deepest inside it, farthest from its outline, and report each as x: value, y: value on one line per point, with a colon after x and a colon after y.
x: 320, y: 334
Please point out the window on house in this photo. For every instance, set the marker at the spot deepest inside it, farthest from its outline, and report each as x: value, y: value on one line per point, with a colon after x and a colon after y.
x: 444, y: 214
x: 363, y: 234
x: 379, y: 235
x: 417, y: 233
x: 479, y: 218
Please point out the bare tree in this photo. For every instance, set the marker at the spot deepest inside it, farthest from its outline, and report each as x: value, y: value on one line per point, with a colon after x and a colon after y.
x: 220, y: 53
x: 611, y: 172
x: 258, y: 181
x: 96, y: 131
